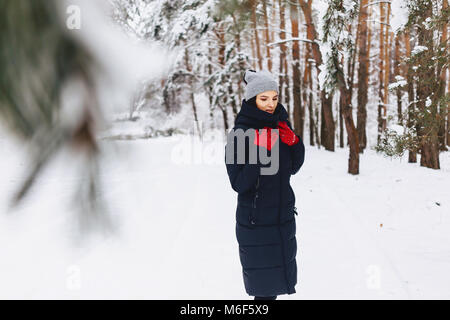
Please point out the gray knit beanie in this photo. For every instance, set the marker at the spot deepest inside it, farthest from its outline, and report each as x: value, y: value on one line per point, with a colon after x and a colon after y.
x: 258, y: 82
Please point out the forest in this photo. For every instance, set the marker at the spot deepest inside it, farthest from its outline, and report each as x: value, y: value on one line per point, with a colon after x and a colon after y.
x: 113, y: 122
x: 352, y: 73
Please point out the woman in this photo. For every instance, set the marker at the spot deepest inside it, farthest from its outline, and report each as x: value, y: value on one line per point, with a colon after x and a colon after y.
x: 265, y: 214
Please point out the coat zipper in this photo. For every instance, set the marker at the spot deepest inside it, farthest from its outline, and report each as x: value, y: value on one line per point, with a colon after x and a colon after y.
x: 253, y: 217
x: 282, y: 244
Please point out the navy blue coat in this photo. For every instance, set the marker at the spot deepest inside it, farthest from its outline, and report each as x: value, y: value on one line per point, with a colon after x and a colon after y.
x: 265, y: 213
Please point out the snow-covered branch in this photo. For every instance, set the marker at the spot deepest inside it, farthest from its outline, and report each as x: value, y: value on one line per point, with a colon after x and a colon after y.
x: 292, y: 39
x: 376, y: 2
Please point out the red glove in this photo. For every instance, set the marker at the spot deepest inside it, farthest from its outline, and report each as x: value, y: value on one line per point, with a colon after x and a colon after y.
x: 266, y: 138
x: 286, y: 134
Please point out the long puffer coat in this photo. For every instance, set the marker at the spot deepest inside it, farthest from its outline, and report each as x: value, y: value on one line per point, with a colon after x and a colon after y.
x: 265, y: 214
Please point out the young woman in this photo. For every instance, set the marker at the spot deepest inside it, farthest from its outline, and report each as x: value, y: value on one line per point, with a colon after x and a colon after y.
x: 265, y: 214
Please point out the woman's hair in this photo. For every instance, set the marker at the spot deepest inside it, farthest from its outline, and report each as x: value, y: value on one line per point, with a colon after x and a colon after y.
x: 252, y: 101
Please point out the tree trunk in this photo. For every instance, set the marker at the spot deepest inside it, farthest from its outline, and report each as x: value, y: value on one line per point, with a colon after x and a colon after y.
x: 266, y: 22
x: 221, y: 59
x: 273, y: 15
x: 387, y: 48
x: 191, y: 93
x: 345, y: 84
x: 252, y: 44
x: 307, y: 86
x: 317, y: 117
x: 210, y: 98
x: 397, y: 72
x: 237, y: 40
x: 232, y: 100
x: 363, y: 76
x: 412, y: 154
x: 296, y: 79
x: 346, y: 103
x: 444, y: 38
x: 428, y: 132
x: 225, y: 117
x: 443, y: 110
x: 327, y: 126
x: 255, y: 25
x: 448, y: 108
x: 381, y: 106
x: 283, y: 71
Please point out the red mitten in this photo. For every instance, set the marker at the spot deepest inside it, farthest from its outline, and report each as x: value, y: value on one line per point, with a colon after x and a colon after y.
x: 286, y: 134
x: 266, y: 138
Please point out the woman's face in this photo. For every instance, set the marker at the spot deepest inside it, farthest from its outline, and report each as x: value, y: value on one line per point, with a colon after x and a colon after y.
x: 267, y: 101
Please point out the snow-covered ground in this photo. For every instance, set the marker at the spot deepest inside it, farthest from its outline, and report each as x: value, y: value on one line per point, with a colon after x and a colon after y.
x: 381, y: 234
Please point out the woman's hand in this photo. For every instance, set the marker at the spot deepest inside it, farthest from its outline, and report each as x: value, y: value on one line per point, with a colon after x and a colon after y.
x: 266, y: 138
x: 286, y: 134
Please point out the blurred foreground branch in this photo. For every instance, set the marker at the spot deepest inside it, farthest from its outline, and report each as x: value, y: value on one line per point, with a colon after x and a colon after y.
x: 41, y: 61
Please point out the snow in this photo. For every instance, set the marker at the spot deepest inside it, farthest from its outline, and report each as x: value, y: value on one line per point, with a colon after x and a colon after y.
x: 399, y: 16
x: 397, y: 129
x: 291, y: 39
x: 427, y: 23
x: 400, y: 82
x: 418, y: 49
x: 382, y: 234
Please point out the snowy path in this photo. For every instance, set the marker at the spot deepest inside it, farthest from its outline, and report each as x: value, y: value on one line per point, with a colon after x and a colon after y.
x: 177, y: 239
x: 341, y: 228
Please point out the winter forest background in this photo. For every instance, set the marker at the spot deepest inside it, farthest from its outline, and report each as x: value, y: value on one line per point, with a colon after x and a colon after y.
x: 113, y: 121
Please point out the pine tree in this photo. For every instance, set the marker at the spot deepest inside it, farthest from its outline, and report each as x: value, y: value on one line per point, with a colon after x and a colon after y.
x: 428, y: 103
x: 338, y: 22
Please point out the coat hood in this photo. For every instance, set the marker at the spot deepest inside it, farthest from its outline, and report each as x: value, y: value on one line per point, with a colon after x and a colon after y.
x: 251, y: 117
